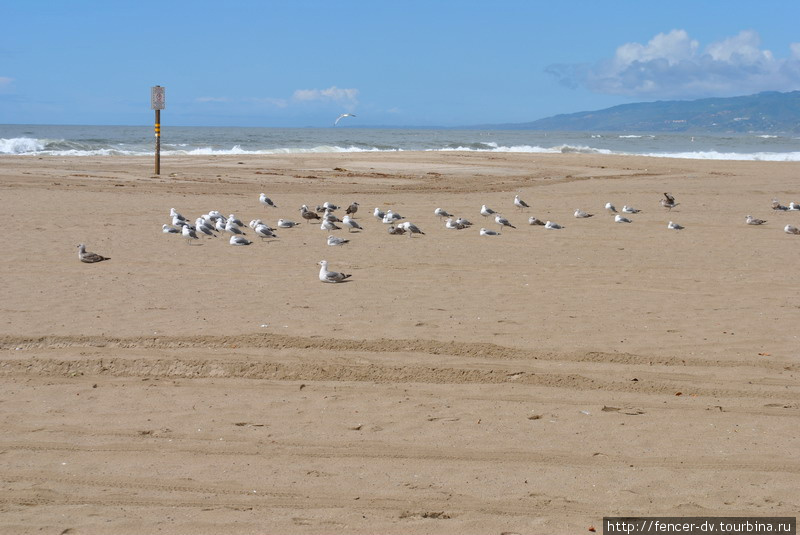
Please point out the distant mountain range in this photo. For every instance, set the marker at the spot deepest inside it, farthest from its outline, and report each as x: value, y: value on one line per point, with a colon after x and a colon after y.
x: 770, y: 113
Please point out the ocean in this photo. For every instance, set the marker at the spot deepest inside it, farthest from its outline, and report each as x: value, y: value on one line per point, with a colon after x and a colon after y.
x: 61, y: 140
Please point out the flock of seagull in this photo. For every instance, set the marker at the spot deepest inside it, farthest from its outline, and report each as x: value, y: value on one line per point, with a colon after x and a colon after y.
x: 214, y: 223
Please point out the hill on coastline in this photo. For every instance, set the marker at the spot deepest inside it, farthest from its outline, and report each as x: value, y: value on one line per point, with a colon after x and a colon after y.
x: 770, y: 112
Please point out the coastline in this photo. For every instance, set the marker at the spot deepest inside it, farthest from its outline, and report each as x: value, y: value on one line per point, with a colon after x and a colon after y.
x: 458, y: 383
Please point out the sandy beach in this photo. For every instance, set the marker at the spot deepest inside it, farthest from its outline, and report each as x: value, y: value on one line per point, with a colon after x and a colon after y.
x: 531, y: 383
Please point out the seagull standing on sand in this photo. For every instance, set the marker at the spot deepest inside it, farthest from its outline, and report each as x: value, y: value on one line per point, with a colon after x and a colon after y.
x: 342, y: 116
x: 90, y: 258
x: 307, y: 214
x: 264, y: 232
x: 519, y: 203
x: 486, y: 211
x: 352, y: 209
x: 411, y: 228
x: 440, y: 212
x: 610, y: 208
x: 487, y: 232
x: 189, y: 234
x: 750, y: 220
x: 350, y: 223
x: 176, y: 216
x: 329, y: 225
x: 379, y: 214
x: 502, y: 221
x: 330, y: 276
x: 621, y: 219
x: 266, y: 201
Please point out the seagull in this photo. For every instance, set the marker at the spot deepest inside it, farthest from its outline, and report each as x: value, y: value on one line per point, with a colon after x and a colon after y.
x: 674, y: 226
x: 264, y: 232
x: 396, y: 230
x: 328, y: 215
x: 794, y: 206
x: 630, y: 210
x: 232, y: 219
x: 534, y: 221
x: 178, y: 221
x: 502, y: 221
x: 486, y: 212
x: 464, y: 222
x: 175, y: 215
x: 487, y: 232
x: 166, y: 229
x: 219, y: 224
x: 580, y: 213
x: 452, y: 224
x: 441, y: 213
x: 214, y: 215
x: 620, y: 219
x: 233, y: 228
x: 791, y: 229
x: 552, y: 226
x: 750, y: 220
x: 189, y: 234
x: 330, y: 276
x: 519, y: 203
x: 204, y: 227
x: 350, y: 223
x: 342, y: 116
x: 254, y: 223
x: 329, y: 206
x: 239, y: 240
x: 307, y: 214
x: 411, y: 228
x: 89, y: 258
x: 285, y: 223
x: 778, y: 206
x: 352, y: 209
x: 668, y: 202
x: 329, y: 225
x: 335, y: 240
x: 378, y: 213
x: 610, y: 208
x: 266, y: 201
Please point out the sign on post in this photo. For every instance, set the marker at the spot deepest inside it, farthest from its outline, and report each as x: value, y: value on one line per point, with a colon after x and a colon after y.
x: 158, y: 103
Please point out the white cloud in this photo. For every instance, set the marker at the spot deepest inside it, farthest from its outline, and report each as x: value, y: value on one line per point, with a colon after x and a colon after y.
x: 344, y: 97
x: 672, y: 65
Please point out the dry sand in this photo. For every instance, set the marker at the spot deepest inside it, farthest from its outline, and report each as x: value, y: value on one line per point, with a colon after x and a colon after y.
x: 529, y: 383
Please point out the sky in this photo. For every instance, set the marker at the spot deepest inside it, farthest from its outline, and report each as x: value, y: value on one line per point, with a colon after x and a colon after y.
x: 426, y: 63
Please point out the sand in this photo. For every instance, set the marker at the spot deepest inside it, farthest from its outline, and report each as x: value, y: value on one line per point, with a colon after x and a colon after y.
x: 530, y: 383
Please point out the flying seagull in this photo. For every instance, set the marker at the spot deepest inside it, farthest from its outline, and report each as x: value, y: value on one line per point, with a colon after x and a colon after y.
x: 88, y: 257
x: 342, y: 116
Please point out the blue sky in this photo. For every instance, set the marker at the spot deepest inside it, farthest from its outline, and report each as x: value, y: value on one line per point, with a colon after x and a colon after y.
x: 403, y: 63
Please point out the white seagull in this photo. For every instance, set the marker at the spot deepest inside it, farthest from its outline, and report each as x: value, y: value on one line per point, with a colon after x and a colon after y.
x: 487, y: 232
x: 502, y: 221
x: 166, y: 229
x: 378, y: 213
x: 175, y: 215
x: 239, y: 240
x: 335, y: 240
x: 791, y: 229
x: 581, y: 214
x: 794, y: 206
x: 266, y: 201
x: 189, y: 233
x: 630, y: 210
x: 440, y: 212
x: 329, y: 225
x: 285, y: 223
x: 750, y: 220
x: 534, y: 221
x: 552, y: 226
x: 486, y: 211
x: 411, y: 228
x: 519, y: 203
x: 464, y: 222
x: 674, y: 226
x: 453, y: 224
x: 264, y: 232
x: 350, y: 223
x: 89, y: 258
x: 610, y: 208
x: 620, y: 219
x: 342, y: 116
x: 330, y: 276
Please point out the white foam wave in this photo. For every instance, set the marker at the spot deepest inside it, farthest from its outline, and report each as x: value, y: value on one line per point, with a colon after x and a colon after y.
x: 714, y: 155
x: 20, y: 145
